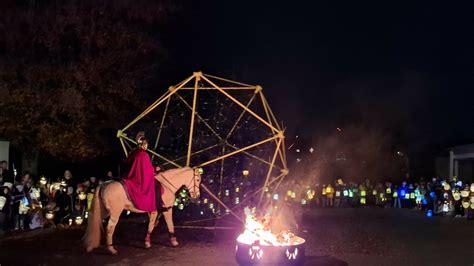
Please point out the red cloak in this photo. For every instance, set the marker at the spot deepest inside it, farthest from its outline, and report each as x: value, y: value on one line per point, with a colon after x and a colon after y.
x: 140, y: 181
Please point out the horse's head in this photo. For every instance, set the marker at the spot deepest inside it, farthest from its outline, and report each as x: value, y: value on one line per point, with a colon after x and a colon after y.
x: 193, y: 186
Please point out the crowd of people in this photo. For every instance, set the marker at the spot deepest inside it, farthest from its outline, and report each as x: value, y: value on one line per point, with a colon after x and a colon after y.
x: 436, y: 196
x: 30, y: 203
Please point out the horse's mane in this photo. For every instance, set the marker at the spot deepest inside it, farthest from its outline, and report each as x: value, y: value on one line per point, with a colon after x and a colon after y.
x: 175, y: 171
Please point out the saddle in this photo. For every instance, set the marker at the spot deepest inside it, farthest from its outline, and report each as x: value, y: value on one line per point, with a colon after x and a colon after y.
x: 159, y: 191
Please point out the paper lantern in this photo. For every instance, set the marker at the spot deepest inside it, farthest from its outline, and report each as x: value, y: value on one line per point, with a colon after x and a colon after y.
x: 82, y: 195
x: 43, y: 180
x: 245, y: 172
x: 3, y: 200
x: 275, y: 196
x: 78, y: 220
x: 465, y: 204
x: 429, y: 213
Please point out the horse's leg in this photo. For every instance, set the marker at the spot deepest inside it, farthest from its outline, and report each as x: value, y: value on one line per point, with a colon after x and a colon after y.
x: 151, y: 226
x: 113, y: 220
x: 169, y: 222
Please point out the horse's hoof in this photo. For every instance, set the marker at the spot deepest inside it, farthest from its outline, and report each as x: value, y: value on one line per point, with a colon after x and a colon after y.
x: 174, y: 242
x: 147, y: 245
x: 112, y: 250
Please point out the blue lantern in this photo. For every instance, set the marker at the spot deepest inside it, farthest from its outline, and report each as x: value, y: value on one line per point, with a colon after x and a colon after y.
x: 429, y: 213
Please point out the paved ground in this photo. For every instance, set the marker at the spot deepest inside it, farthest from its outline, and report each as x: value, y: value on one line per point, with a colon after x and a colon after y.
x: 334, y: 237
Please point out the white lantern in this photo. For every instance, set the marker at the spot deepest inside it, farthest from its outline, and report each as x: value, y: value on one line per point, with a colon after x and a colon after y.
x: 245, y: 172
x: 3, y: 200
x: 43, y: 181
x: 82, y: 195
x: 50, y: 215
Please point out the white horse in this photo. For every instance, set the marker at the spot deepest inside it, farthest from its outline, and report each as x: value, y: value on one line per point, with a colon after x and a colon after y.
x: 110, y: 199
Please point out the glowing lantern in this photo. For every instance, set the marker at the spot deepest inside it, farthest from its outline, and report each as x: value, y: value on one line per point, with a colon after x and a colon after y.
x: 374, y: 192
x: 395, y: 194
x: 293, y: 195
x: 388, y: 190
x: 445, y: 207
x: 351, y: 194
x: 70, y: 221
x: 446, y: 186
x: 237, y: 200
x: 407, y: 196
x: 237, y: 189
x: 63, y: 183
x: 266, y: 189
x: 50, y: 215
x: 412, y: 195
x: 205, y: 200
x: 472, y: 205
x: 201, y: 212
x: 432, y: 194
x: 86, y: 215
x: 472, y: 187
x: 128, y: 212
x: 363, y: 193
x: 457, y: 196
x: 338, y: 193
x: 310, y: 194
x: 465, y: 204
x: 303, y: 201
x: 245, y: 172
x: 43, y: 180
x: 211, y: 205
x: 381, y: 195
x: 226, y: 192
x: 324, y: 191
x: 3, y: 200
x: 472, y: 199
x: 429, y: 213
x: 82, y: 195
x: 288, y: 193
x: 402, y: 193
x: 363, y: 201
x: 275, y: 196
x: 78, y: 220
x: 465, y: 193
x: 424, y: 201
x: 180, y: 206
x: 345, y: 193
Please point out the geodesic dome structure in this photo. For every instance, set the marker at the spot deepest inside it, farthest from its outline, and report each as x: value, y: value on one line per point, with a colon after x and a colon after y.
x: 224, y: 126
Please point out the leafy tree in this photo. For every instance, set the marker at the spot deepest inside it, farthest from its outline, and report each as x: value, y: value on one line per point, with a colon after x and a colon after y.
x: 72, y: 72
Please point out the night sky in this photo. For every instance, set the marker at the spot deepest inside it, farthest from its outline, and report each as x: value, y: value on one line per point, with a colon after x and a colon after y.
x: 404, y: 68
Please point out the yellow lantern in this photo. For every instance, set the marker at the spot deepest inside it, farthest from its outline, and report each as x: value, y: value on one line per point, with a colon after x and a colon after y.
x: 363, y: 201
x: 245, y: 172
x: 43, y: 180
x: 293, y: 195
x: 381, y: 195
x: 465, y: 193
x: 205, y: 200
x: 288, y: 193
x: 266, y: 189
x: 363, y: 193
x: 472, y: 188
x: 395, y: 194
x: 78, y: 220
x: 446, y: 186
x: 465, y: 204
x: 374, y: 192
x: 82, y: 195
x: 237, y: 189
x: 472, y: 205
x: 456, y: 195
x: 226, y: 193
x: 412, y: 195
x: 388, y: 190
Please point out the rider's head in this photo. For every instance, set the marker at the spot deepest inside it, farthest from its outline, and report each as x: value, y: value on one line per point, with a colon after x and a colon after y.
x: 142, y: 143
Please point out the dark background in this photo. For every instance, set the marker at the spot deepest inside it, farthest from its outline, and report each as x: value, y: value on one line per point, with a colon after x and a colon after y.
x: 402, y: 69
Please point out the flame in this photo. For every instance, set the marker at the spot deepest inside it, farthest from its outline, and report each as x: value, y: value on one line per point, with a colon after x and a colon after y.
x: 258, y: 231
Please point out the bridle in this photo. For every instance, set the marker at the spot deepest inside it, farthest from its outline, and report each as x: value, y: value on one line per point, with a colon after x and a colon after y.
x: 193, y: 184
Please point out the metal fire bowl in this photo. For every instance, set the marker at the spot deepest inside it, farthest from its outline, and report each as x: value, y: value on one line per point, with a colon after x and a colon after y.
x: 257, y: 254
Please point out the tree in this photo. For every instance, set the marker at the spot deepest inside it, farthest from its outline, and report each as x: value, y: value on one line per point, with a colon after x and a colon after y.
x: 72, y: 72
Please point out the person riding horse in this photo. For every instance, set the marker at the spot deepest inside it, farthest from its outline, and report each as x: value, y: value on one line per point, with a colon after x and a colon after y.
x: 142, y: 187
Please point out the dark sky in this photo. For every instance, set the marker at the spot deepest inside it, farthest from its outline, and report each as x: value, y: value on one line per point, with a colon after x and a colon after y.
x: 405, y: 68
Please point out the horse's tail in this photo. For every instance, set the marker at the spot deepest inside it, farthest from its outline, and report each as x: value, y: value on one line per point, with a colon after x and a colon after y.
x: 94, y: 223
